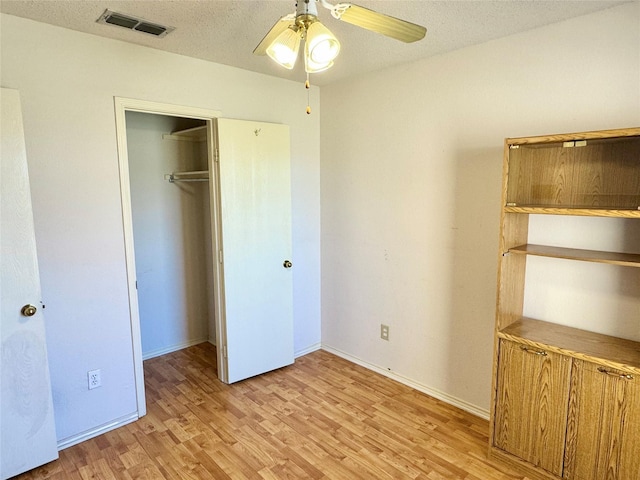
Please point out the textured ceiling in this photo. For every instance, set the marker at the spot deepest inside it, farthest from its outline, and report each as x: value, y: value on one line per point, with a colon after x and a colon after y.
x: 226, y: 32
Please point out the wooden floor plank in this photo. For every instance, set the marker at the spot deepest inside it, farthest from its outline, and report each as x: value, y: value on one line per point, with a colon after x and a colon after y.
x: 322, y: 418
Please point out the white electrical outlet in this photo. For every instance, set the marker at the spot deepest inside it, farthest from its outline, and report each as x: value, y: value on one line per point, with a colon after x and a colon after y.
x: 94, y: 379
x: 384, y: 332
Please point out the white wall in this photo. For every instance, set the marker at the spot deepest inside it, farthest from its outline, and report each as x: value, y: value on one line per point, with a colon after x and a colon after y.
x: 411, y: 180
x: 67, y: 82
x: 172, y: 233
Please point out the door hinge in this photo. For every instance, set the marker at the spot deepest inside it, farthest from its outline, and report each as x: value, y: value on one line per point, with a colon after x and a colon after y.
x: 220, y: 256
x: 216, y: 155
x: 136, y: 284
x: 575, y: 143
x: 224, y: 351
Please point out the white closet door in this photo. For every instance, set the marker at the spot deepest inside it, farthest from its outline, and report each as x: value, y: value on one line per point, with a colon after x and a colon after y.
x: 255, y: 201
x: 28, y: 437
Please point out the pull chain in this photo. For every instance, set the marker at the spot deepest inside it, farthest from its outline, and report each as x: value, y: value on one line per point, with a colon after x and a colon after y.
x: 308, y: 87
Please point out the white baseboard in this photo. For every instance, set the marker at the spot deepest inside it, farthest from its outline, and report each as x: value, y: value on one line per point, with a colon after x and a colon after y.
x: 94, y: 432
x: 305, y: 351
x: 432, y: 392
x: 172, y: 348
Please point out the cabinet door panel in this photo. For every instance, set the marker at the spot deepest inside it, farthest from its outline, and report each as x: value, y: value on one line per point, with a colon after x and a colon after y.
x: 531, y: 405
x: 603, y: 440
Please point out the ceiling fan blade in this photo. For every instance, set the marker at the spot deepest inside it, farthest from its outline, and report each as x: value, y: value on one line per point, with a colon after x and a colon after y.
x: 378, y: 22
x: 279, y: 27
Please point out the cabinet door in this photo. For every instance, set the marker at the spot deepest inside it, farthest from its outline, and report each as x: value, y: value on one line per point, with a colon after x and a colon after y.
x: 603, y: 434
x: 531, y: 405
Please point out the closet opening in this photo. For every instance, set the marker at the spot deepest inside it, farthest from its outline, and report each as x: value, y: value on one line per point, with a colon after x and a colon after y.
x: 172, y: 231
x: 206, y: 206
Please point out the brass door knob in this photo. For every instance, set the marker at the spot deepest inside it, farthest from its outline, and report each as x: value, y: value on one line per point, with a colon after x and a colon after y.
x: 287, y: 264
x: 28, y: 310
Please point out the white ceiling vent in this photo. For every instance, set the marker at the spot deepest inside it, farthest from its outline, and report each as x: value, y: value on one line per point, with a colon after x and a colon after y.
x: 133, y: 23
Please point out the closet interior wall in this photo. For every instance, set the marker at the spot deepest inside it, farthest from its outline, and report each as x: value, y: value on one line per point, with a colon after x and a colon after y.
x: 172, y: 234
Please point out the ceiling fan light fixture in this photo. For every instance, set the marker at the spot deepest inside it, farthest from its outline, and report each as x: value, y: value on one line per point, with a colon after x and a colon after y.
x: 311, y: 67
x: 321, y: 46
x: 284, y: 49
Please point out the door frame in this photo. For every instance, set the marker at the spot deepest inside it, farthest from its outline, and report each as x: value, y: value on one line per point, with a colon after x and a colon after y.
x: 123, y: 105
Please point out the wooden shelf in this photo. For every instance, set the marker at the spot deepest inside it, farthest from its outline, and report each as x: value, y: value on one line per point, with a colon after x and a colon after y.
x: 591, y: 212
x: 615, y: 258
x: 589, y: 346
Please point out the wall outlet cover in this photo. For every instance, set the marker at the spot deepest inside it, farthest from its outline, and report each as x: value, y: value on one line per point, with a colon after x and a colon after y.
x: 94, y: 379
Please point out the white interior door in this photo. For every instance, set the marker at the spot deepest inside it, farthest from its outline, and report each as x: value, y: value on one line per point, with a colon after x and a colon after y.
x: 28, y: 437
x: 255, y: 242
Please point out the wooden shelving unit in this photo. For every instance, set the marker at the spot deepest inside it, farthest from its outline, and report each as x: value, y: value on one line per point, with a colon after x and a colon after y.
x: 545, y: 374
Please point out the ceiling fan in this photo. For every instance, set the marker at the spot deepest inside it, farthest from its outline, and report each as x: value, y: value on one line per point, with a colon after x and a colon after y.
x: 282, y: 42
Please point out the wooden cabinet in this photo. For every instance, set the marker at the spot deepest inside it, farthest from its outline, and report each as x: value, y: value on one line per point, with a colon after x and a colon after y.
x: 533, y: 389
x: 565, y: 398
x: 603, y: 434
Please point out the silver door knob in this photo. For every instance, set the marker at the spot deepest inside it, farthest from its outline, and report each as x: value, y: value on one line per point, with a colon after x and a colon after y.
x: 28, y: 310
x: 287, y: 264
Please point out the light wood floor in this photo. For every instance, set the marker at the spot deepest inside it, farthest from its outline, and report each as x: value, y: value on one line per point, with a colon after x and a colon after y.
x: 322, y: 418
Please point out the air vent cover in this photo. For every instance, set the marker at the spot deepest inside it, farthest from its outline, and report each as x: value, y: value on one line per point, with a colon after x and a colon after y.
x: 133, y: 23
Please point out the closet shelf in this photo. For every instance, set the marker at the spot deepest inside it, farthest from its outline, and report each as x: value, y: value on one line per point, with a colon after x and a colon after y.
x: 195, y: 134
x: 193, y: 176
x: 615, y: 258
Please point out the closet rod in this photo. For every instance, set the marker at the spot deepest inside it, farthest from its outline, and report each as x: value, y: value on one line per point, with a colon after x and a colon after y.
x: 174, y: 177
x: 173, y: 180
